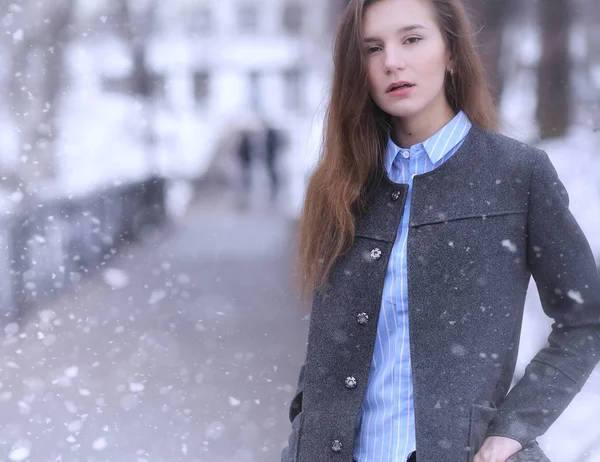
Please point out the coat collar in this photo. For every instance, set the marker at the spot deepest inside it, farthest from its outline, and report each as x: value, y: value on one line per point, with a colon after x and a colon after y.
x: 437, y: 145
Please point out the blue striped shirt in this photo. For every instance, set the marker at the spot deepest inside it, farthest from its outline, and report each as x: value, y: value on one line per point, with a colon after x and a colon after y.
x: 385, y: 429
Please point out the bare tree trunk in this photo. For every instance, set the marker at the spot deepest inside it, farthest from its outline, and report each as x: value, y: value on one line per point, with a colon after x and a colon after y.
x: 592, y: 10
x: 593, y: 31
x: 136, y: 29
x: 39, y: 34
x: 553, y: 106
x: 489, y: 18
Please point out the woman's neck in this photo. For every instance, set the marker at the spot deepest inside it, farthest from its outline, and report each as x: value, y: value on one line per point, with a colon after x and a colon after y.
x: 408, y: 131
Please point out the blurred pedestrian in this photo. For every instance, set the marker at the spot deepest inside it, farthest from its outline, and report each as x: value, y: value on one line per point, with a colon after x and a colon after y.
x: 245, y: 157
x: 272, y: 147
x: 420, y: 230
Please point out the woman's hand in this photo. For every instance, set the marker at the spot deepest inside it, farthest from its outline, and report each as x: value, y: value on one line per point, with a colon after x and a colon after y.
x: 497, y: 449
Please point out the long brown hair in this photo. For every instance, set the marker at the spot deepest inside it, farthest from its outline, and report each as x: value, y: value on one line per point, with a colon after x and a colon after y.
x: 356, y: 133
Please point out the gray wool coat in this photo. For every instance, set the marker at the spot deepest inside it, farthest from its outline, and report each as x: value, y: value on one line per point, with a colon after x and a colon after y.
x: 481, y: 224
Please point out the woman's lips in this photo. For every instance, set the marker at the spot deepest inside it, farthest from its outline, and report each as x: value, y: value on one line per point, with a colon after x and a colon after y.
x: 401, y: 91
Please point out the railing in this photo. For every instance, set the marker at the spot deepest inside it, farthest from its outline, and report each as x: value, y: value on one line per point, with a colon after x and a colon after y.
x: 47, y: 250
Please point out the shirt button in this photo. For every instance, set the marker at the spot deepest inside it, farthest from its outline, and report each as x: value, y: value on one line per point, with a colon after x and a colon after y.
x: 350, y: 382
x: 376, y: 254
x: 362, y: 319
x: 396, y: 195
x: 336, y: 446
x: 405, y: 154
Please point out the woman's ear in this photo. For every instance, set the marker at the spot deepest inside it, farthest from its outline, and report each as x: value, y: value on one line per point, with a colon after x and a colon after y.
x: 449, y: 60
x: 450, y: 64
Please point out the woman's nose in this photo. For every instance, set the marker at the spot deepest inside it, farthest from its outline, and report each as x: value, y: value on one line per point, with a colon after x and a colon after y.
x: 394, y: 61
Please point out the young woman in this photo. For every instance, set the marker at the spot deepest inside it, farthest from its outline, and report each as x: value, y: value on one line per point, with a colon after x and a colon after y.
x: 420, y: 230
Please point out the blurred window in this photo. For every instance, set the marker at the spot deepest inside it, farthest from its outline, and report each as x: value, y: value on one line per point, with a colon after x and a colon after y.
x: 116, y: 84
x: 293, y: 16
x: 255, y: 90
x: 201, y: 86
x: 158, y: 85
x: 247, y: 17
x: 155, y: 82
x: 292, y: 90
x: 201, y: 20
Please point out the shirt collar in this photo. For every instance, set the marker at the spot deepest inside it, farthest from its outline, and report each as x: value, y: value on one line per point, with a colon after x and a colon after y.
x: 436, y: 146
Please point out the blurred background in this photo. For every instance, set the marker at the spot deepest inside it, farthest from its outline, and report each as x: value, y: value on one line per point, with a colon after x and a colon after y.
x: 153, y: 159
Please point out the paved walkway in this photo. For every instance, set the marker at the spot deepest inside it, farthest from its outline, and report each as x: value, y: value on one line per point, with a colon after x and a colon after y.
x: 184, y: 349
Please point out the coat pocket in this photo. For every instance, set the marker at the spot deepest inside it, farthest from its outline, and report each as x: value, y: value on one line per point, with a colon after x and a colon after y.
x: 530, y: 453
x: 481, y: 416
x: 290, y: 452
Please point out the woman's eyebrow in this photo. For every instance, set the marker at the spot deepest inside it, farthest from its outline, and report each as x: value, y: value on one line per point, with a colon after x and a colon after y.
x: 402, y: 30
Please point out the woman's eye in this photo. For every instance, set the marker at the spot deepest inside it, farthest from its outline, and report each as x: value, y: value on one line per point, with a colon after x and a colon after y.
x: 412, y: 40
x: 371, y: 50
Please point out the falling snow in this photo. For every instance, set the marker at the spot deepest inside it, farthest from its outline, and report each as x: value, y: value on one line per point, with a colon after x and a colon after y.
x: 116, y: 278
x: 100, y: 444
x: 508, y: 244
x: 19, y: 453
x: 136, y: 387
x: 18, y: 36
x: 575, y: 295
x: 157, y: 296
x: 145, y: 357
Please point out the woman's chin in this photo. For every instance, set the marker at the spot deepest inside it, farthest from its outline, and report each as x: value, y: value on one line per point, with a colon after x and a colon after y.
x: 403, y: 112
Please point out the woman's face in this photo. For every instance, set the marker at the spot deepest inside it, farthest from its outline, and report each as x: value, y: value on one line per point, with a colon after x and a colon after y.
x: 404, y: 45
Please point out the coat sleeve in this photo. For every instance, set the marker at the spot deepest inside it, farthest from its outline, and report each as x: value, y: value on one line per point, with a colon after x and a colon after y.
x: 567, y: 279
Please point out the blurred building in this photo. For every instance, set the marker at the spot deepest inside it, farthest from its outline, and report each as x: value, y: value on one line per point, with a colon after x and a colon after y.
x: 217, y: 66
x: 225, y: 63
x: 210, y: 67
x: 161, y: 87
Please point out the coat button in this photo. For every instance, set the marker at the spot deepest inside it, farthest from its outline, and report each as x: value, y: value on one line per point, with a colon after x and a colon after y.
x: 336, y: 446
x: 362, y: 319
x: 350, y: 382
x: 376, y: 254
x: 396, y: 195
